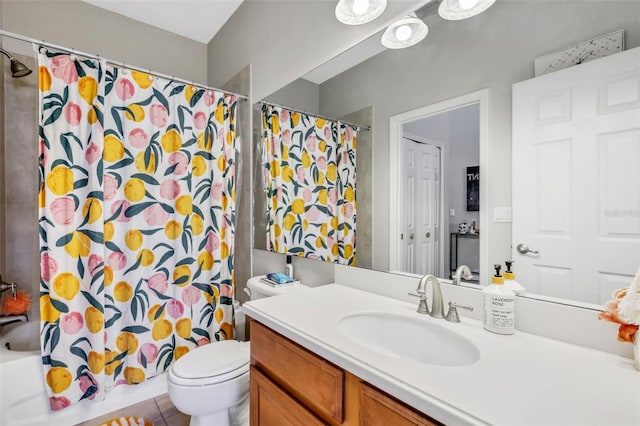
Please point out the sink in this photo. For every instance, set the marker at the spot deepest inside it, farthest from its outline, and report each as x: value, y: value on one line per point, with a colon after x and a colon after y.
x: 409, y: 338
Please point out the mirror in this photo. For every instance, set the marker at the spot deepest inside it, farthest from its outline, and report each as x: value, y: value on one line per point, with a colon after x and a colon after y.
x: 490, y: 52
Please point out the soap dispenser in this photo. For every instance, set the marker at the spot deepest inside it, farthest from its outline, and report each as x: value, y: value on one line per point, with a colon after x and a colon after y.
x: 288, y: 269
x: 499, y: 306
x: 510, y: 280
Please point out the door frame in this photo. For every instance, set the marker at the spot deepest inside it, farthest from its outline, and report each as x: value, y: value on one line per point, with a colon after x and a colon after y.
x: 444, y: 153
x: 396, y: 122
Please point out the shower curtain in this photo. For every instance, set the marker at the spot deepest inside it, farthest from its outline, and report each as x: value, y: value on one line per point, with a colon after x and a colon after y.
x: 309, y: 167
x: 137, y: 217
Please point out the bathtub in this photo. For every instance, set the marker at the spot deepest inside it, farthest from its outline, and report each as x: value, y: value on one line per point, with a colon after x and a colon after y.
x: 23, y: 399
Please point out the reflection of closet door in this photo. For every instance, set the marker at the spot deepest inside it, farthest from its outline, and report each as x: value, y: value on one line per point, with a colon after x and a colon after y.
x: 576, y: 178
x: 421, y: 207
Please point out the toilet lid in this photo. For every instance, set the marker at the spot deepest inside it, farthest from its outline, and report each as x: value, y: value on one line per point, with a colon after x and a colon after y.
x: 213, y: 359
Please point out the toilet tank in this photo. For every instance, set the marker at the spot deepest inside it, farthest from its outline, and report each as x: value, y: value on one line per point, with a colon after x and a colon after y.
x: 259, y: 289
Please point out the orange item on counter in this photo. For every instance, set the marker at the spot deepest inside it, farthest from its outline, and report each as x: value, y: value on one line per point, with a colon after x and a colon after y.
x: 16, y: 305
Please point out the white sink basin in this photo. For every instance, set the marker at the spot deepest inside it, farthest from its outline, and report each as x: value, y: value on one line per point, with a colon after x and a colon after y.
x: 415, y: 339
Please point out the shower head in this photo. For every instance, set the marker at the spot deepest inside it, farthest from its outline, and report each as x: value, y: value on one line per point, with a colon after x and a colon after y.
x: 18, y: 69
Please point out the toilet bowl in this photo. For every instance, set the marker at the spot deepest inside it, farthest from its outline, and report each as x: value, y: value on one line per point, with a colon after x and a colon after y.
x: 211, y: 382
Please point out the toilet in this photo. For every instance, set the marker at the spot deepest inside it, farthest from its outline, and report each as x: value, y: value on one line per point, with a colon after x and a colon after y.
x: 211, y: 382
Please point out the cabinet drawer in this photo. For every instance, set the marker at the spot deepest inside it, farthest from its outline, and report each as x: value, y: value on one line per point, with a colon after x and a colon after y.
x: 271, y: 406
x: 310, y: 379
x: 379, y: 409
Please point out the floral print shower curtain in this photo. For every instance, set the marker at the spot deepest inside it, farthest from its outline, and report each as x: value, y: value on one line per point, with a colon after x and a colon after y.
x: 309, y: 167
x: 137, y: 216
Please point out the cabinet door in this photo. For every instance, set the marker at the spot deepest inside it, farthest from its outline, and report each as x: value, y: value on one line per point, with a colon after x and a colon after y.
x: 271, y: 406
x: 378, y: 409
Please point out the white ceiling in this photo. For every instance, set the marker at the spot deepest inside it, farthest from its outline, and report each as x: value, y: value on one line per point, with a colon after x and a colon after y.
x: 198, y: 20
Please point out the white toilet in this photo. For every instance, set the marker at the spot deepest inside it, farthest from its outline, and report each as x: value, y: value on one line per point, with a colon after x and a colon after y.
x: 211, y: 383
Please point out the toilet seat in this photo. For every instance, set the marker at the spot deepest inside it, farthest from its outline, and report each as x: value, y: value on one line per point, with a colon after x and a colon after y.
x: 213, y: 363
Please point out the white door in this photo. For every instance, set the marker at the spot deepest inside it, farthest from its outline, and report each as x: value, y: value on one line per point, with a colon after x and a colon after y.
x: 576, y: 142
x: 421, y: 230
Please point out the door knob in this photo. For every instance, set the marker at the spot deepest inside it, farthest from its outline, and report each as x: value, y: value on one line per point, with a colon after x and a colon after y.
x: 411, y: 236
x: 428, y: 234
x: 524, y: 249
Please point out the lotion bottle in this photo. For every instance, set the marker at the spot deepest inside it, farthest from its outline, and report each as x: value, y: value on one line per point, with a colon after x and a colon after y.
x: 288, y: 269
x: 510, y: 280
x: 499, y: 306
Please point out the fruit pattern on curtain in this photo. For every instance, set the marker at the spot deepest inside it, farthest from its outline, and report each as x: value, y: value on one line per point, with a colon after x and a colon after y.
x: 137, y: 216
x: 309, y: 176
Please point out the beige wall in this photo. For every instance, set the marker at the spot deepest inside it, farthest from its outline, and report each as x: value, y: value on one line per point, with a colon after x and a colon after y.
x: 81, y: 26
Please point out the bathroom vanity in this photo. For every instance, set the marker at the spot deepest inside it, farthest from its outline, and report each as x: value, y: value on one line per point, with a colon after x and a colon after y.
x: 337, y: 355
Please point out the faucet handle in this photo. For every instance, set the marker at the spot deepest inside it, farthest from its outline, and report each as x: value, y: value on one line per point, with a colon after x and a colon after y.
x: 452, y: 315
x: 423, y: 308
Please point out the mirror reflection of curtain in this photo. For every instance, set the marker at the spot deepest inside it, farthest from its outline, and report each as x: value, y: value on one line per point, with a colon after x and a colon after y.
x: 137, y: 224
x: 309, y: 176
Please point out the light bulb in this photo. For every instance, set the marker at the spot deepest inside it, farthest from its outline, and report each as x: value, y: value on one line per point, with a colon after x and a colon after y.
x: 467, y: 4
x: 403, y: 32
x: 360, y: 7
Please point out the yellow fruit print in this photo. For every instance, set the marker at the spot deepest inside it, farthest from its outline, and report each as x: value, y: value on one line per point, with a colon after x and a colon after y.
x: 134, y: 112
x: 275, y: 124
x: 146, y: 257
x: 183, y: 328
x: 348, y: 251
x: 331, y: 172
x: 134, y: 190
x: 223, y: 233
x: 184, y: 205
x: 180, y: 351
x: 171, y: 141
x: 145, y: 167
x: 197, y: 224
x: 319, y: 242
x: 109, y: 231
x: 222, y: 163
x: 123, y: 292
x: 198, y: 165
x: 93, y: 208
x: 110, y: 365
x: 322, y: 197
x: 219, y: 315
x: 94, y: 319
x: 322, y: 146
x: 88, y: 89
x: 66, y: 285
x: 349, y: 194
x: 143, y: 79
x: 227, y: 330
x: 133, y: 239
x: 133, y: 375
x: 295, y: 118
x: 285, y: 153
x: 276, y: 230
x: 95, y: 360
x: 113, y: 149
x: 219, y: 114
x: 42, y: 197
x: 161, y: 329
x: 320, y: 122
x: 60, y: 180
x: 44, y: 79
x: 108, y: 276
x: 127, y: 342
x: 297, y: 206
x: 189, y: 91
x: 334, y: 249
x: 153, y: 311
x: 78, y: 246
x: 59, y: 379
x: 180, y: 273
x: 289, y: 221
x: 275, y: 169
x: 205, y: 261
x: 224, y: 202
x: 323, y: 230
x: 47, y: 312
x: 305, y: 224
x: 224, y: 250
x: 205, y: 145
x: 172, y: 229
x: 334, y: 223
x: 92, y: 117
x: 306, y: 160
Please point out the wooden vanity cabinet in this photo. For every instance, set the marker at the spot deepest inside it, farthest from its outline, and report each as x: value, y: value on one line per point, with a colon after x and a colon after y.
x: 292, y: 386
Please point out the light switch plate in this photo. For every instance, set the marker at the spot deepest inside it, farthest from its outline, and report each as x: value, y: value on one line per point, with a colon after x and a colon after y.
x: 452, y: 212
x: 502, y: 214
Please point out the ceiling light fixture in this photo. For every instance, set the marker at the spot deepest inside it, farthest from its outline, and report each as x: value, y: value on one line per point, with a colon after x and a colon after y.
x: 405, y: 32
x: 454, y: 10
x: 356, y: 12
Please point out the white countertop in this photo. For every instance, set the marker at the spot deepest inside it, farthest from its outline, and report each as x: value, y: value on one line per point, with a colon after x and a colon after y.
x: 521, y: 379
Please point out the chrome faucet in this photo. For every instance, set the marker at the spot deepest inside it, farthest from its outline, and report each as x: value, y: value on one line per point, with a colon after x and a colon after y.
x: 462, y: 271
x: 10, y: 319
x: 437, y: 306
x: 4, y: 286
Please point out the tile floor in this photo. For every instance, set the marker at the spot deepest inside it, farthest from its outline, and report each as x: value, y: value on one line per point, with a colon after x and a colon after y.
x: 159, y: 410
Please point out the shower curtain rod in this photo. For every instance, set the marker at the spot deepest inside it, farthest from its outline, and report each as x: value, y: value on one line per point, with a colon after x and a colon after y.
x: 367, y: 128
x: 113, y: 62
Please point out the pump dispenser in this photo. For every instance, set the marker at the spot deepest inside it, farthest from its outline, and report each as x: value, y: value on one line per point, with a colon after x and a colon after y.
x: 288, y: 269
x: 499, y: 305
x: 510, y: 280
